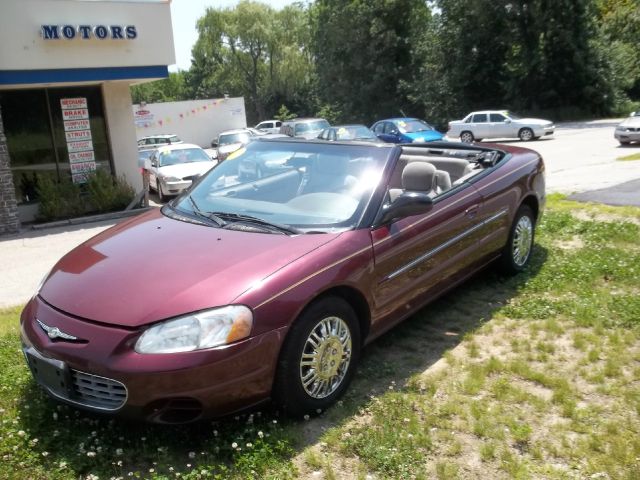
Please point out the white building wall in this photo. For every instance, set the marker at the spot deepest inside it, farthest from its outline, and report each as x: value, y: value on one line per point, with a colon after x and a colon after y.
x: 121, y: 131
x: 194, y: 121
x: 21, y: 21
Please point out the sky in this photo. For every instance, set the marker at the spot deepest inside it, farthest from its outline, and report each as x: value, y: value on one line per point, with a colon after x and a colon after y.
x: 185, y: 13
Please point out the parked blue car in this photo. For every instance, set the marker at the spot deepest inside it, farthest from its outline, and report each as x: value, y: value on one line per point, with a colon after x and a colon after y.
x: 405, y: 130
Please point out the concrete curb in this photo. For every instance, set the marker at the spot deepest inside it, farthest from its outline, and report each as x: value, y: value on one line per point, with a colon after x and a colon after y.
x: 91, y: 219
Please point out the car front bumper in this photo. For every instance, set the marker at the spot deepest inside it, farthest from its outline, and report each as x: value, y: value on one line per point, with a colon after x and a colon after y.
x: 544, y: 131
x: 101, y: 371
x: 628, y: 135
x: 174, y: 188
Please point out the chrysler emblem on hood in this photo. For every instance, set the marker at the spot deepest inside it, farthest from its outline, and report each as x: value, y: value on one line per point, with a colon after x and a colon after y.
x: 55, y: 332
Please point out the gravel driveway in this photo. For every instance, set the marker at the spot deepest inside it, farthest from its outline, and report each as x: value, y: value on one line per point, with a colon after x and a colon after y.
x: 581, y: 159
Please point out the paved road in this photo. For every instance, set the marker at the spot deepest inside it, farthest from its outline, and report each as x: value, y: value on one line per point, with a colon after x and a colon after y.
x: 581, y: 158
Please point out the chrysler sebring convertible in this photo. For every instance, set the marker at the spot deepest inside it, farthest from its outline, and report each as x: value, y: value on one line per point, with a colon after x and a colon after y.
x: 246, y: 289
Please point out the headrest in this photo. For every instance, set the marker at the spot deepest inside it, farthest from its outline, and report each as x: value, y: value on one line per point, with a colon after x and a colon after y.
x: 331, y: 164
x: 418, y: 176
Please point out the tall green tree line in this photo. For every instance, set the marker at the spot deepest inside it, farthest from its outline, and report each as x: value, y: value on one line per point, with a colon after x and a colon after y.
x: 359, y: 60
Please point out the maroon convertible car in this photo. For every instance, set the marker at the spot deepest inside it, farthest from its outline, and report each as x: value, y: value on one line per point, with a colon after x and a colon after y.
x: 269, y: 275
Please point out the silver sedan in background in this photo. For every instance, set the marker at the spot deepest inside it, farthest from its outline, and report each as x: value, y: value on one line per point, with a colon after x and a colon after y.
x: 629, y: 130
x: 499, y: 124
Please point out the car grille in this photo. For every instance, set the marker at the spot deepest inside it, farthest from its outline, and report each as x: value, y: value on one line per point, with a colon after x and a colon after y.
x: 97, y: 392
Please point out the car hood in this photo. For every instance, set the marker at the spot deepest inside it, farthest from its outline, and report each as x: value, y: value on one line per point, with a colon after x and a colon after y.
x: 533, y: 121
x: 186, y: 169
x: 631, y: 122
x: 229, y: 147
x: 153, y: 267
x: 424, y: 136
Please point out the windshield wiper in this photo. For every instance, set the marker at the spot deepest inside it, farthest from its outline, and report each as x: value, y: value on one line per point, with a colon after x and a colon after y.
x: 210, y: 216
x: 255, y: 220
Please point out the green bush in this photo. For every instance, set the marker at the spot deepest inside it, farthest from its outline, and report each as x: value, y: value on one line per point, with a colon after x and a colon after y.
x: 58, y: 199
x: 64, y: 199
x: 107, y: 193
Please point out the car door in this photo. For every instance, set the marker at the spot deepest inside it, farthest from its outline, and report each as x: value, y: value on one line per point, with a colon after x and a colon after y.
x: 419, y: 256
x: 479, y: 126
x: 499, y: 126
x: 390, y: 133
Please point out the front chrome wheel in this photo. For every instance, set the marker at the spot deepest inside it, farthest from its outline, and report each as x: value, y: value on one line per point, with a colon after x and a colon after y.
x: 466, y: 137
x: 526, y: 134
x: 326, y: 356
x: 522, y: 241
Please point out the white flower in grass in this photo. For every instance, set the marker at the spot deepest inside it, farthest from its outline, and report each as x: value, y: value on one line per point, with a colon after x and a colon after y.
x: 91, y: 454
x: 21, y: 433
x: 261, y: 434
x: 62, y: 465
x: 192, y: 454
x: 119, y: 451
x: 234, y: 445
x: 44, y: 454
x: 249, y: 445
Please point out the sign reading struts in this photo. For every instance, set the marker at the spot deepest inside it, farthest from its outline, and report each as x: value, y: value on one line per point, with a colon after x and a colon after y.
x: 77, y: 130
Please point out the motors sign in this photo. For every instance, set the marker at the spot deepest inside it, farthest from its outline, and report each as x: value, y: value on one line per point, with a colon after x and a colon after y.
x: 87, y: 32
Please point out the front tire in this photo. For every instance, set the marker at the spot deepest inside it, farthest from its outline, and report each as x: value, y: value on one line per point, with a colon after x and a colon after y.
x: 525, y: 134
x: 516, y: 254
x: 318, y: 358
x: 161, y: 196
x: 466, y: 137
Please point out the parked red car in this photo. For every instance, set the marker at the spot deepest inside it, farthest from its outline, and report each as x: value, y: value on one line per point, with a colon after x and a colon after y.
x: 249, y: 288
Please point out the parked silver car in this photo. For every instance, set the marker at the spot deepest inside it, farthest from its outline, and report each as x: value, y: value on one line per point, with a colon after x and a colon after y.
x: 304, y: 127
x: 155, y: 141
x: 629, y: 130
x: 499, y: 124
x: 269, y: 126
x: 173, y: 168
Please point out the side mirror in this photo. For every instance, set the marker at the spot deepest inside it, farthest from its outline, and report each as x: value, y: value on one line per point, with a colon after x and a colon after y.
x: 508, y: 120
x: 633, y: 114
x: 395, y: 132
x: 407, y: 204
x: 154, y: 163
x: 214, y: 144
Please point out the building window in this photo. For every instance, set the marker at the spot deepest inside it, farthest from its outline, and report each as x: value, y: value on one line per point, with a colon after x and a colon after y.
x: 37, y: 140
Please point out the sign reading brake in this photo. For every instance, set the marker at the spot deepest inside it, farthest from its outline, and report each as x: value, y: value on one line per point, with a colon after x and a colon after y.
x: 86, y: 32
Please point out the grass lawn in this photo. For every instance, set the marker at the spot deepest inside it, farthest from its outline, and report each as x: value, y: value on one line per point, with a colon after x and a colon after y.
x: 629, y: 158
x: 534, y: 376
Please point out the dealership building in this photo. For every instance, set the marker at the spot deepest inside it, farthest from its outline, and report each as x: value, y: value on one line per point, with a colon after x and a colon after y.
x: 65, y: 106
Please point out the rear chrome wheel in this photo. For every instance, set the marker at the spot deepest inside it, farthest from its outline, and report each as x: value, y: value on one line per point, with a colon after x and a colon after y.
x: 517, y: 252
x: 466, y: 137
x: 318, y: 357
x: 522, y: 241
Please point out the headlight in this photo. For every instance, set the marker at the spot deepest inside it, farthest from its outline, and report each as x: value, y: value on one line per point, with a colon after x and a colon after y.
x: 211, y: 328
x: 172, y: 179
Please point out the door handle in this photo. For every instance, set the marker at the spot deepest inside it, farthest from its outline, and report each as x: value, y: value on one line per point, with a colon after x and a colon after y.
x: 471, y: 212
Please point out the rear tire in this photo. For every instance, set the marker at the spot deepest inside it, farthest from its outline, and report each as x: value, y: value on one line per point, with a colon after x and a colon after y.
x: 516, y: 254
x: 466, y: 137
x: 318, y: 358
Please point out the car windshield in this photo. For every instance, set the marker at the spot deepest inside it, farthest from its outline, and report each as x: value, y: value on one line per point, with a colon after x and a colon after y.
x: 412, y: 126
x: 354, y: 132
x: 313, y: 126
x: 305, y: 186
x: 183, y: 155
x: 242, y: 137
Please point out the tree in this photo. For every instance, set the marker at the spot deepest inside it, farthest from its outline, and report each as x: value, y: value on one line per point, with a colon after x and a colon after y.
x: 169, y: 89
x: 253, y: 51
x: 364, y: 54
